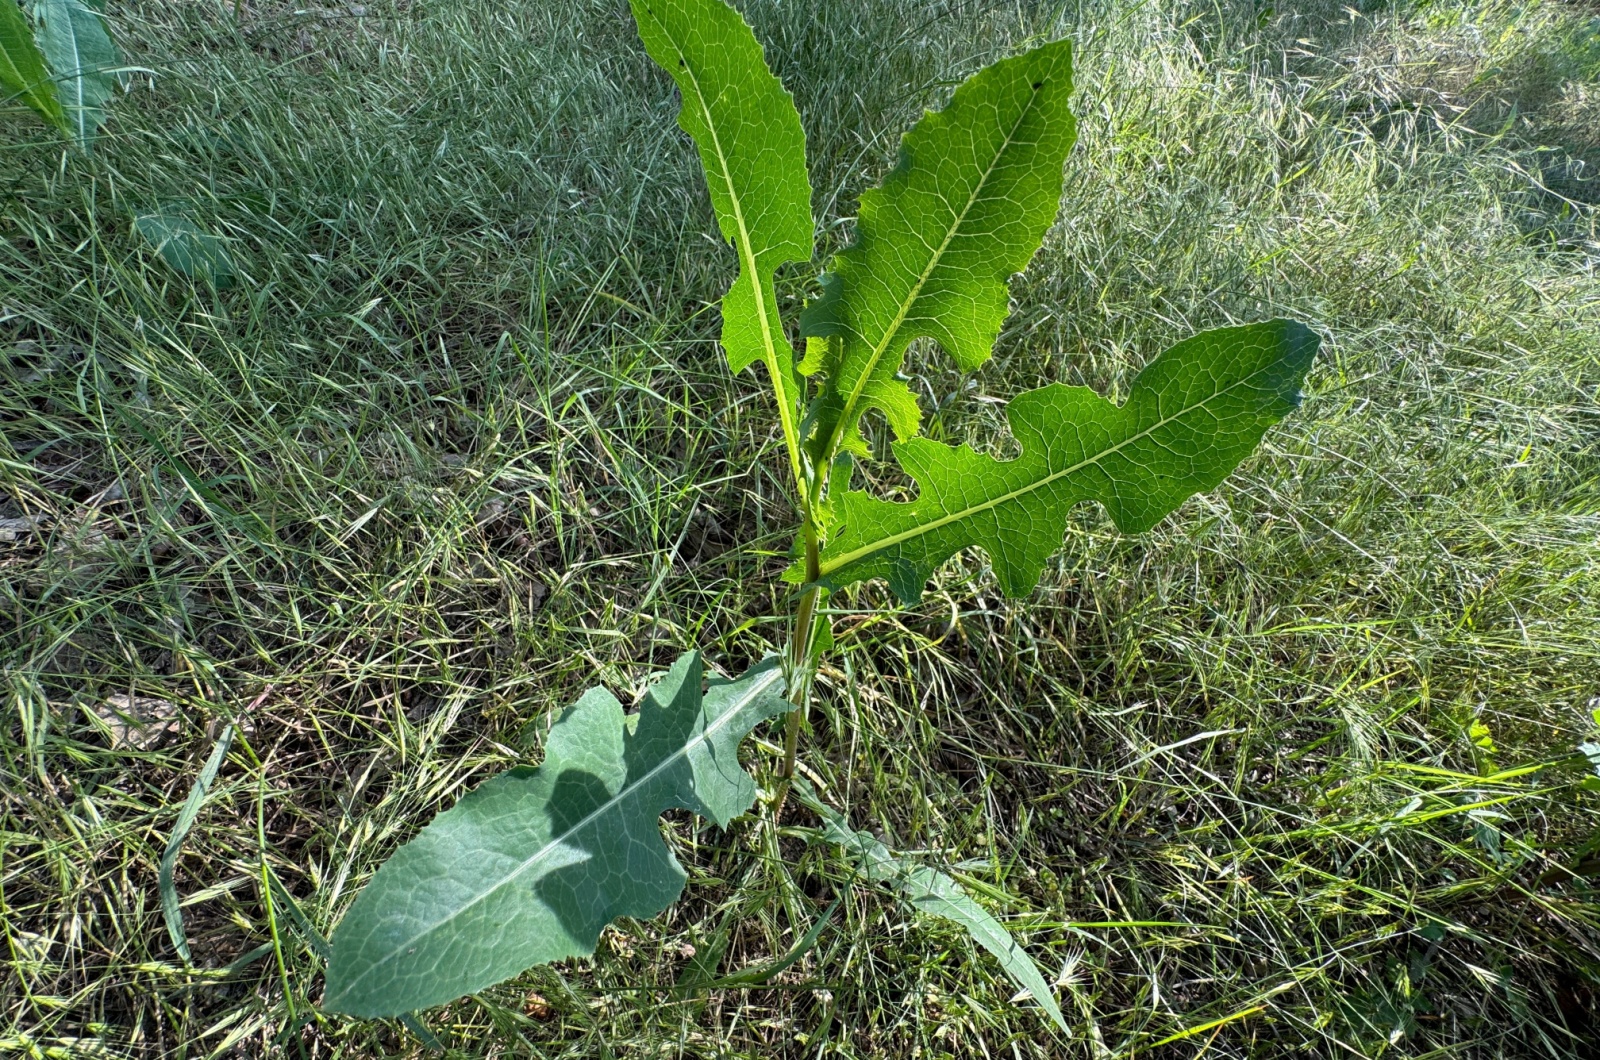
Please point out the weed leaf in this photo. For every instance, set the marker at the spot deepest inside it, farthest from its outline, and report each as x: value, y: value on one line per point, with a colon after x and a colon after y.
x: 529, y: 867
x: 84, y: 61
x: 754, y: 154
x: 1192, y: 414
x: 22, y: 71
x: 187, y: 249
x: 977, y: 186
x: 929, y: 891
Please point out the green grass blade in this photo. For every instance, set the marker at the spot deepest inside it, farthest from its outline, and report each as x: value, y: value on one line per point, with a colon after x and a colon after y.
x: 529, y: 867
x: 429, y: 1040
x: 1191, y: 416
x: 977, y: 186
x: 757, y: 976
x: 82, y: 57
x: 297, y: 916
x: 170, y: 908
x: 246, y: 959
x: 754, y: 153
x: 929, y: 891
x: 22, y: 70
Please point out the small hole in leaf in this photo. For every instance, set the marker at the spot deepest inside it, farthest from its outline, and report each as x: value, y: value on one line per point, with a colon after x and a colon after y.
x: 1037, y: 85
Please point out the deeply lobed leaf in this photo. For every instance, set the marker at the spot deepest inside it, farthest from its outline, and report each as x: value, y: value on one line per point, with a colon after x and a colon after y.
x: 754, y: 154
x: 529, y: 867
x: 1191, y: 416
x: 977, y: 186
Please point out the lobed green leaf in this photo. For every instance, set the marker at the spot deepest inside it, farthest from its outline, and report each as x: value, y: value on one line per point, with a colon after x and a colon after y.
x: 530, y: 866
x: 1191, y: 416
x: 753, y: 151
x: 977, y: 186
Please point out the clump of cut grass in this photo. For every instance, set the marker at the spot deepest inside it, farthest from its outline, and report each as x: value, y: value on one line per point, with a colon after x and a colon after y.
x: 1295, y: 771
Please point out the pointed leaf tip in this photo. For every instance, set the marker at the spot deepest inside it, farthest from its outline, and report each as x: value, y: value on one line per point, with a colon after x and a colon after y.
x: 927, y: 890
x: 967, y: 205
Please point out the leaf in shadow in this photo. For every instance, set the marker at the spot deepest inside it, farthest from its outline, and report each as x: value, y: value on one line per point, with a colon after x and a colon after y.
x: 187, y: 250
x: 531, y: 866
x: 927, y: 890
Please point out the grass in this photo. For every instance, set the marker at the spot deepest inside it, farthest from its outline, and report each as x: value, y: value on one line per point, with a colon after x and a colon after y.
x: 1293, y: 774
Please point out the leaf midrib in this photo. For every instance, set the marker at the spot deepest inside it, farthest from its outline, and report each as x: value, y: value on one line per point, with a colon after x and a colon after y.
x: 916, y: 290
x: 775, y: 674
x: 828, y: 567
x: 75, y: 80
x: 747, y: 259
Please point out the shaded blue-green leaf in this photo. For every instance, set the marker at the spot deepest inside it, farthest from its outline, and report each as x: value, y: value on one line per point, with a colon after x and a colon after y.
x: 187, y: 249
x: 754, y: 154
x: 83, y: 60
x: 1191, y: 416
x: 529, y: 867
x: 977, y: 186
x: 932, y: 892
x: 23, y: 76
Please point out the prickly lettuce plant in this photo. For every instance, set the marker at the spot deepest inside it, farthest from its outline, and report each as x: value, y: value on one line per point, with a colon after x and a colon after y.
x: 532, y: 865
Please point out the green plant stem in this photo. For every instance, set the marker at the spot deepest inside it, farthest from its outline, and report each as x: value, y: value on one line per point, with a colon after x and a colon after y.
x: 786, y: 419
x: 801, y: 663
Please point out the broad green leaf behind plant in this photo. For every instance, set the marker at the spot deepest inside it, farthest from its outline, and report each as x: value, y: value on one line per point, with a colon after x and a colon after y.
x: 977, y: 186
x: 22, y: 71
x: 83, y: 60
x: 1192, y: 414
x: 530, y: 866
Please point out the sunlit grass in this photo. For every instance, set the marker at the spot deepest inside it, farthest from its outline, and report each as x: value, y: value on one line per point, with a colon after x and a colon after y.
x: 459, y: 446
